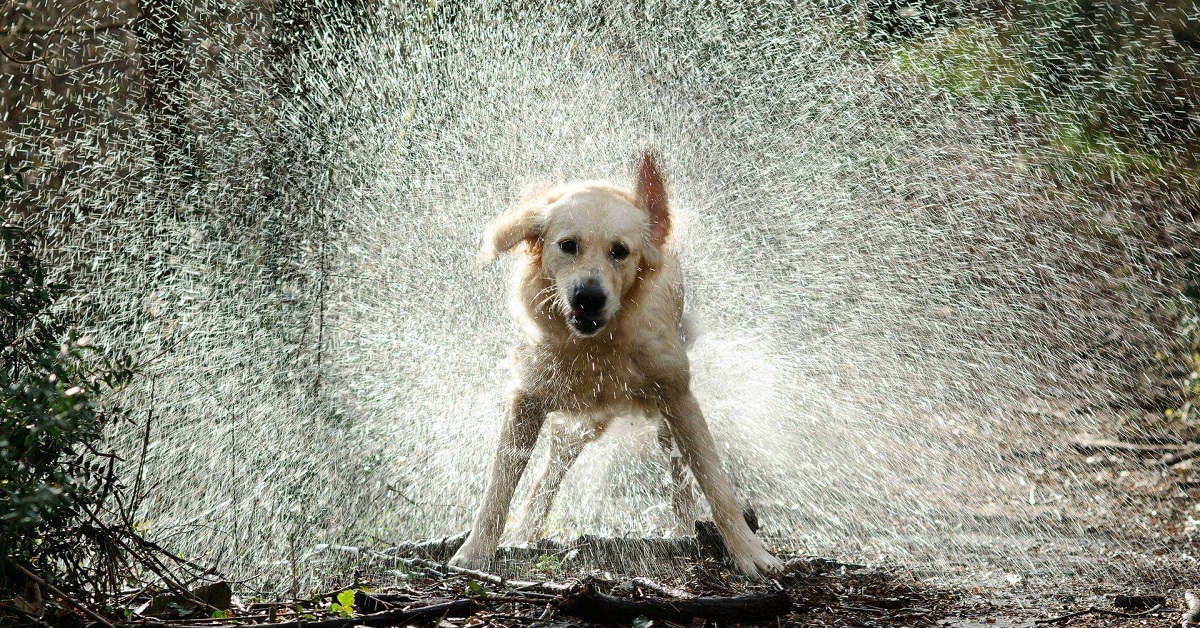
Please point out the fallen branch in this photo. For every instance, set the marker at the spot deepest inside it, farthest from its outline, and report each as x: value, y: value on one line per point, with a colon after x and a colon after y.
x: 482, y: 576
x: 378, y: 602
x: 864, y: 609
x: 435, y: 549
x: 457, y: 608
x: 37, y: 621
x: 660, y: 588
x: 586, y: 549
x: 1117, y: 446
x: 1171, y: 460
x: 66, y: 598
x: 1098, y: 611
x: 591, y: 605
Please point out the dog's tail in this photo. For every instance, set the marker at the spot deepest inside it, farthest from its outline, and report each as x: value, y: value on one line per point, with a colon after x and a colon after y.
x: 689, y: 330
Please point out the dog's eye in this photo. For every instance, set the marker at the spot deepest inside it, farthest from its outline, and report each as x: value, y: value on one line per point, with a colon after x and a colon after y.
x: 568, y: 246
x: 619, y: 252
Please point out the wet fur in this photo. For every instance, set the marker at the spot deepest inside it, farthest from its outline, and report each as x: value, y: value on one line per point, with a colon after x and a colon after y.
x: 636, y: 363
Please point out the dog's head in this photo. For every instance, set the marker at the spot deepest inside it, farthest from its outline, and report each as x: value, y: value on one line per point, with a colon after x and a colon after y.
x: 591, y: 241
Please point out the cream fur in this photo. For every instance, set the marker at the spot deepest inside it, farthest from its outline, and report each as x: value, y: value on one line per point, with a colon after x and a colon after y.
x: 635, y: 363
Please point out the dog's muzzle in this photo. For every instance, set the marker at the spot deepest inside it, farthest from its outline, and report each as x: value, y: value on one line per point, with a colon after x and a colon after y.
x: 587, y: 309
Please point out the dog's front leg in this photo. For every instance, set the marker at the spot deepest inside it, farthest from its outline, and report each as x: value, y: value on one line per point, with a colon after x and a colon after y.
x: 683, y: 414
x: 518, y: 435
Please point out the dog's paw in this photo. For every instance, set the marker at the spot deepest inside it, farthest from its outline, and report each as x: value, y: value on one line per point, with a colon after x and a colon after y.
x: 467, y: 559
x: 753, y: 560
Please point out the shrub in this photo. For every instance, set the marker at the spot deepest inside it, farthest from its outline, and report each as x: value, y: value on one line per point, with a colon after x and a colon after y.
x: 54, y: 482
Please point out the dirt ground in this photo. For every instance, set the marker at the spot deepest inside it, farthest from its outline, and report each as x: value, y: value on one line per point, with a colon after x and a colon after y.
x: 823, y: 593
x: 1133, y: 490
x: 1135, y: 486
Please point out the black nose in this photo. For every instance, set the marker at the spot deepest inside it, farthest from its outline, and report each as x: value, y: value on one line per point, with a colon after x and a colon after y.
x: 588, y: 299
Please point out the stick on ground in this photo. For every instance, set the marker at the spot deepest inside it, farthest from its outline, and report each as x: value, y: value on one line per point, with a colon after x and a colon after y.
x: 70, y: 600
x: 457, y: 608
x: 592, y: 605
x: 1098, y: 611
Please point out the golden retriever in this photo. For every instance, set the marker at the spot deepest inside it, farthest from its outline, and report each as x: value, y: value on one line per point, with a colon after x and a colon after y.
x: 599, y: 296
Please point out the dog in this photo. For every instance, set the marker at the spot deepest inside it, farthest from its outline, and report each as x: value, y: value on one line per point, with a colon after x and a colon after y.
x: 599, y: 296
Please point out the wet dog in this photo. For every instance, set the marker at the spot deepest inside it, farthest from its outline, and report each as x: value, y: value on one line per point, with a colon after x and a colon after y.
x: 599, y: 296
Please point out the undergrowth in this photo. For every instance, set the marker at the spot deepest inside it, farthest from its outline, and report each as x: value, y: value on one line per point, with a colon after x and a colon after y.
x: 1082, y: 142
x: 66, y: 519
x: 55, y: 482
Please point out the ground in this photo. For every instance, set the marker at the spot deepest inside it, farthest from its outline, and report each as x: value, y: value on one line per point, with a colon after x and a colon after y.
x: 1135, y: 486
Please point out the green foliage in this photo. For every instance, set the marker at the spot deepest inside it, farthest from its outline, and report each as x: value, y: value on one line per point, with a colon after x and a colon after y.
x: 1130, y: 65
x: 344, y: 606
x: 548, y: 564
x: 968, y: 61
x: 1111, y: 89
x: 1111, y: 82
x: 53, y: 382
x: 13, y: 179
x: 476, y: 589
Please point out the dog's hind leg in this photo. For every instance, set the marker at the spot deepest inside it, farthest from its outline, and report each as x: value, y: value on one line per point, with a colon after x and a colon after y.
x: 517, y: 438
x: 567, y: 440
x: 683, y: 493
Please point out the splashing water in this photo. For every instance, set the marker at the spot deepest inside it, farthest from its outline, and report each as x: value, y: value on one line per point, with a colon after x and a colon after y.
x: 895, y: 298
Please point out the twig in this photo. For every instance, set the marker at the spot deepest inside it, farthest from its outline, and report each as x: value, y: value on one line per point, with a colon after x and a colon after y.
x: 1106, y: 446
x: 45, y: 61
x: 150, y: 561
x: 503, y: 616
x: 155, y: 547
x: 544, y: 587
x: 205, y: 621
x: 514, y: 599
x: 537, y: 595
x: 56, y: 591
x: 20, y: 611
x: 457, y: 608
x: 86, y: 66
x: 57, y: 29
x: 137, y: 483
x: 295, y: 591
x: 1180, y: 456
x: 442, y: 569
x: 1098, y: 611
x: 171, y: 347
x: 865, y: 609
x: 408, y: 499
x: 661, y: 589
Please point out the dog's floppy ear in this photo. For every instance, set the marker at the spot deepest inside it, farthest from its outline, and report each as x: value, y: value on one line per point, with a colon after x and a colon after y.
x: 523, y: 223
x: 651, y: 194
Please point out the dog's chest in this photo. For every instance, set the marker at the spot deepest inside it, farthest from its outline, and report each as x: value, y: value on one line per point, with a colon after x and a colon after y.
x: 588, y: 380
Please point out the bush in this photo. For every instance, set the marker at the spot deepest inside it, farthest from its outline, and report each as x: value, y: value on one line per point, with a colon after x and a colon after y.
x: 1131, y: 66
x: 54, y: 482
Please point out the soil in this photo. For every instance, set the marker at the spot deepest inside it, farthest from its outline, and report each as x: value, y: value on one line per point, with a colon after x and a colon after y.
x: 1139, y: 503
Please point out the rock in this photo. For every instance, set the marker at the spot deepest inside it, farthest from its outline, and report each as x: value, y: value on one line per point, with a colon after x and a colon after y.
x: 217, y: 595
